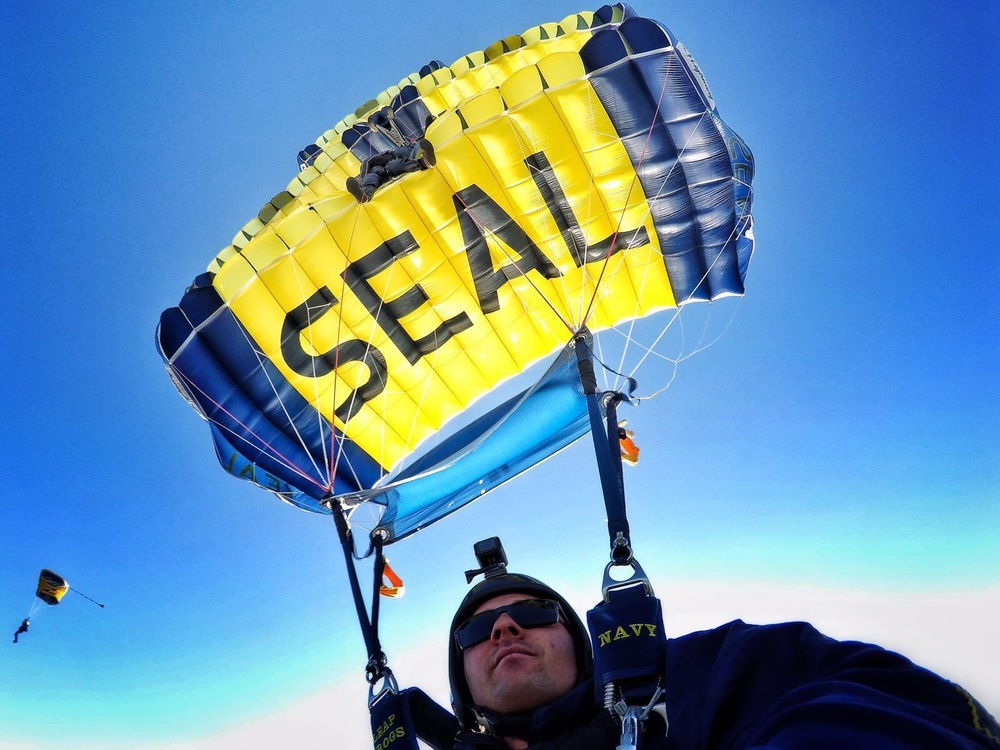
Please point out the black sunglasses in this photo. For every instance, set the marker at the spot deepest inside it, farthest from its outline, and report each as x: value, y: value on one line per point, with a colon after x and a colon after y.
x: 528, y: 613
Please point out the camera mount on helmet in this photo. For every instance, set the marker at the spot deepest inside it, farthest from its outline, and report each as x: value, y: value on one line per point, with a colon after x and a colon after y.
x: 491, y: 557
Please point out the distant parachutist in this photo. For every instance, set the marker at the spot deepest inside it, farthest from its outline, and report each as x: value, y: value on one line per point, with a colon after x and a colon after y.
x: 22, y: 629
x: 52, y: 587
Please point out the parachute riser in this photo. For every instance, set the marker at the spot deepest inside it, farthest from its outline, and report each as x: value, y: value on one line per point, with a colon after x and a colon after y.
x: 606, y: 448
x: 376, y: 668
x: 398, y: 717
x: 381, y: 700
x: 626, y: 627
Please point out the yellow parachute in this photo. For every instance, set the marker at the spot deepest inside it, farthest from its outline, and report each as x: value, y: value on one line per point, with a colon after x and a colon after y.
x: 51, y: 587
x: 582, y: 177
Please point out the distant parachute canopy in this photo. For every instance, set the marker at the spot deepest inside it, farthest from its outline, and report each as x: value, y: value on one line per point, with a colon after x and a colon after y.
x: 51, y: 587
x: 583, y: 179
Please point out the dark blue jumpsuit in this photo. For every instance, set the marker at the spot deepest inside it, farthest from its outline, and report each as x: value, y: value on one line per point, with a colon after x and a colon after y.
x: 776, y: 687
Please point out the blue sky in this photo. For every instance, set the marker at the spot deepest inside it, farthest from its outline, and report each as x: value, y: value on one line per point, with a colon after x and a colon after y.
x: 842, y: 436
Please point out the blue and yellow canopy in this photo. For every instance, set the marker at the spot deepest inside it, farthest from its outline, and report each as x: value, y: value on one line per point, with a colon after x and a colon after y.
x: 583, y: 178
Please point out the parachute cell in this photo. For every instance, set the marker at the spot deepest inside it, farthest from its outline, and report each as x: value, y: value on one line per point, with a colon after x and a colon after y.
x: 583, y: 178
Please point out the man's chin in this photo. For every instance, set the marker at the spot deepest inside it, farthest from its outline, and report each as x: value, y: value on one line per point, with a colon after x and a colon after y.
x: 518, y: 685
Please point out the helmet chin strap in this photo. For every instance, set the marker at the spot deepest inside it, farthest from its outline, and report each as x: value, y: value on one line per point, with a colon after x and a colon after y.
x: 486, y: 720
x: 504, y: 725
x: 527, y: 724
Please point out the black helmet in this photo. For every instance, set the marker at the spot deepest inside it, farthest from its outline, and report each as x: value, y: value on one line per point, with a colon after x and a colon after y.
x: 498, y: 581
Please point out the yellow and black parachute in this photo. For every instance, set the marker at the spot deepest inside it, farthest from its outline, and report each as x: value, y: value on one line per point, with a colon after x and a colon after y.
x: 51, y: 587
x: 583, y: 179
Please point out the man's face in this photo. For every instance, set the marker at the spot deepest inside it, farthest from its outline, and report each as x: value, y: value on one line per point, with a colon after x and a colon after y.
x: 518, y: 668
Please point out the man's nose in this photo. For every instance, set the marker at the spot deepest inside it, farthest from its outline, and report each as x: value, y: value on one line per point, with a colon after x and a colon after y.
x: 505, y: 626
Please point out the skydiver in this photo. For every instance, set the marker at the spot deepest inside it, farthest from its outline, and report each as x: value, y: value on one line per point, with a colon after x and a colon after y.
x: 522, y: 676
x: 382, y: 167
x: 22, y: 629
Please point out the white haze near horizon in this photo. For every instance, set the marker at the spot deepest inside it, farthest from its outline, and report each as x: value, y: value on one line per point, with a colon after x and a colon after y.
x: 948, y: 633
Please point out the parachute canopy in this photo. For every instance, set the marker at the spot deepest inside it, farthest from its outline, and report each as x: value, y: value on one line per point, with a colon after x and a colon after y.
x: 583, y: 178
x: 51, y: 587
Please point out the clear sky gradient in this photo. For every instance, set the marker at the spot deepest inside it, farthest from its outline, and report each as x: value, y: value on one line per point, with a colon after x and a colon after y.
x: 833, y: 457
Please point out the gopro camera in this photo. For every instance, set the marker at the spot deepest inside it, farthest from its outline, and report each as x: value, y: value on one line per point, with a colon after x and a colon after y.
x: 491, y: 558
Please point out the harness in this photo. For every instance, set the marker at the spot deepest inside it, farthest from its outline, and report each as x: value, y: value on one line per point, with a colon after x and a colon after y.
x: 626, y: 626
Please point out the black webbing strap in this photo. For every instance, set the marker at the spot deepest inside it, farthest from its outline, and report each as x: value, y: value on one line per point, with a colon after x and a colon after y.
x: 369, y: 627
x: 606, y: 446
x: 398, y: 717
x: 627, y: 626
x: 378, y: 542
